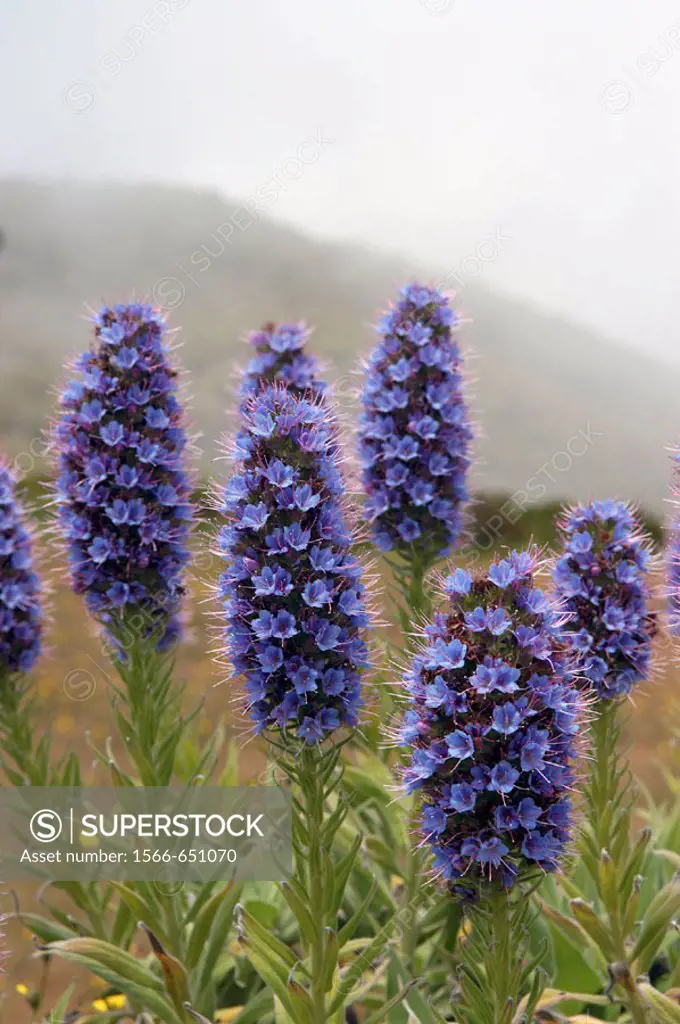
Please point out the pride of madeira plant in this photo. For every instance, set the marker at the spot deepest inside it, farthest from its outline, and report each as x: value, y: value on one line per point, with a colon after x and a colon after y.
x: 490, y: 729
x: 124, y: 507
x: 295, y: 604
x: 601, y: 576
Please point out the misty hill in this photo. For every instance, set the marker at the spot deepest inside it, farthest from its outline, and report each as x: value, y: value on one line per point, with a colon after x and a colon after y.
x: 540, y: 381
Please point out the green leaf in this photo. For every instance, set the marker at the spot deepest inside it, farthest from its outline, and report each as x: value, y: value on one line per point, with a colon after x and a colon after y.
x: 350, y: 926
x: 103, y: 954
x: 61, y: 1006
x: 176, y: 984
x: 665, y: 1010
x: 343, y: 871
x: 144, y: 995
x: 413, y: 999
x: 299, y: 908
x: 217, y: 940
x: 270, y: 977
x: 46, y: 930
x: 268, y: 942
x: 256, y: 1008
x: 656, y: 923
x: 203, y: 924
x: 590, y: 922
x: 362, y: 962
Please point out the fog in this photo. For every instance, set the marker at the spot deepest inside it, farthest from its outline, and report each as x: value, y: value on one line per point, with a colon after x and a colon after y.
x: 428, y: 127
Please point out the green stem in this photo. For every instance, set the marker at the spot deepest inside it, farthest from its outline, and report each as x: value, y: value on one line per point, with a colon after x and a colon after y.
x: 312, y: 873
x: 494, y: 959
x: 502, y: 950
x: 17, y: 730
x: 417, y: 605
x: 609, y: 804
x: 314, y: 800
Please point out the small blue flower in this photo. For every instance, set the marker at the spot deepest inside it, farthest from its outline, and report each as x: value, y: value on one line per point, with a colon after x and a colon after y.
x: 461, y: 797
x: 601, y: 578
x: 495, y: 771
x: 459, y: 745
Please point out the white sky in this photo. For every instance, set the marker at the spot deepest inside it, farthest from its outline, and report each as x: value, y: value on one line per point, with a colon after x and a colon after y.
x: 492, y: 115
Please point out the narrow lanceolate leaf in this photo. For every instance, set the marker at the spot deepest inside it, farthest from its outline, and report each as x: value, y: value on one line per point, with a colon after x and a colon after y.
x: 343, y: 870
x: 396, y: 1000
x: 103, y: 954
x: 568, y: 927
x: 362, y: 963
x: 591, y: 923
x: 203, y: 924
x: 655, y: 924
x: 44, y: 929
x: 143, y: 994
x: 350, y: 926
x: 414, y: 1000
x: 664, y: 1010
x: 294, y: 1003
x: 140, y: 908
x: 217, y: 940
x: 330, y: 960
x: 174, y: 974
x: 279, y: 955
x: 299, y: 908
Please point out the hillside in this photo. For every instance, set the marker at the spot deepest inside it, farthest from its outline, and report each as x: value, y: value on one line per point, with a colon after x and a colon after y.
x: 540, y: 379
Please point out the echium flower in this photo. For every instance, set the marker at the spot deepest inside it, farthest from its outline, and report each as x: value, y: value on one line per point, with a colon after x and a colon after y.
x: 415, y: 434
x: 292, y: 589
x: 123, y: 493
x: 280, y: 358
x: 21, y: 615
x: 601, y: 579
x: 491, y: 726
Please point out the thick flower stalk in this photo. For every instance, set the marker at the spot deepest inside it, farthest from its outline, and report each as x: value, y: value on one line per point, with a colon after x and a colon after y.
x: 292, y: 589
x: 124, y: 506
x: 415, y: 433
x: 21, y: 629
x: 123, y: 492
x: 491, y: 733
x: 601, y: 576
x: 280, y: 358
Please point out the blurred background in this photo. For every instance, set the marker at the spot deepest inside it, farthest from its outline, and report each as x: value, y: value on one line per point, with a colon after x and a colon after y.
x: 238, y: 163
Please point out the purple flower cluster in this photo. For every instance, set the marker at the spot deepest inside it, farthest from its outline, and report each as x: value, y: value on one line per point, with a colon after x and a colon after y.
x: 123, y: 493
x: 292, y: 589
x: 20, y: 607
x: 280, y: 359
x: 414, y: 434
x: 601, y: 578
x: 491, y: 727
